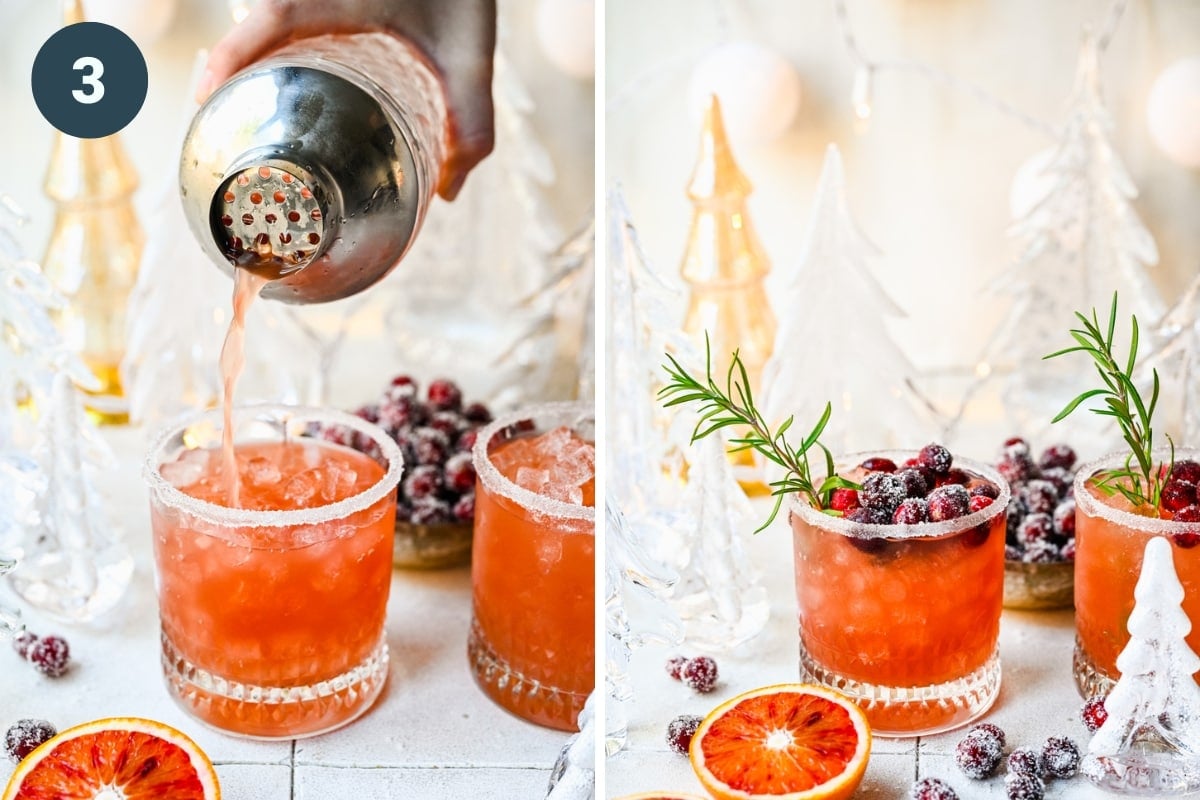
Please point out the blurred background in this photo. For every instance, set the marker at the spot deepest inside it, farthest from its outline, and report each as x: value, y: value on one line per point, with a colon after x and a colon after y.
x: 935, y: 173
x: 548, y: 92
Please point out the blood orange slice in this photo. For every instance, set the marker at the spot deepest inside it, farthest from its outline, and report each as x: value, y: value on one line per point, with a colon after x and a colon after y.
x: 661, y: 796
x: 114, y: 759
x: 785, y: 742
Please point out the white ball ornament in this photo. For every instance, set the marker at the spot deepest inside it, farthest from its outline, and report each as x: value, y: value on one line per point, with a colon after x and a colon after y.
x: 566, y: 33
x: 758, y: 88
x: 145, y: 21
x: 1173, y: 112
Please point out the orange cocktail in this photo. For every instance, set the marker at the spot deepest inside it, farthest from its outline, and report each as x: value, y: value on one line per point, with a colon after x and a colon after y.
x: 904, y: 618
x: 532, y: 641
x: 273, y: 612
x: 1110, y: 538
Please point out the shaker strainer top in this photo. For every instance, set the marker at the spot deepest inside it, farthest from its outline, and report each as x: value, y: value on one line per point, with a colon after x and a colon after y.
x: 269, y: 220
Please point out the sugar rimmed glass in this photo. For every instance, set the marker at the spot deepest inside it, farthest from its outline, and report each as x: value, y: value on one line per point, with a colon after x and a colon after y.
x: 531, y: 646
x: 1110, y: 541
x: 904, y: 619
x: 273, y: 621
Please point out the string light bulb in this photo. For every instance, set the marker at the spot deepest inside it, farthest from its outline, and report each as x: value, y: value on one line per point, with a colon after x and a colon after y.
x: 862, y: 92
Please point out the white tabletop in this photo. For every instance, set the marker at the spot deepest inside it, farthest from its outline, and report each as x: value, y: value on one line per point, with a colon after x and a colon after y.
x: 432, y: 735
x: 1037, y: 697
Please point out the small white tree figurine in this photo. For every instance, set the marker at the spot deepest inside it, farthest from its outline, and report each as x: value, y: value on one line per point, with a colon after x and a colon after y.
x: 1150, y: 741
x: 74, y: 565
x: 719, y: 596
x: 803, y: 373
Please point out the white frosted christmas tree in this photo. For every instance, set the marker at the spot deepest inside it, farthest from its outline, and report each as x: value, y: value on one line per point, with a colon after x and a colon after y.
x: 10, y: 620
x: 574, y: 773
x: 1078, y: 244
x: 865, y: 374
x: 719, y: 596
x: 1150, y: 741
x: 74, y: 565
x: 470, y: 301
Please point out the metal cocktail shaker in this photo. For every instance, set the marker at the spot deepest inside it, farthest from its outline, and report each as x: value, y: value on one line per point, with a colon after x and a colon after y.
x: 315, y: 166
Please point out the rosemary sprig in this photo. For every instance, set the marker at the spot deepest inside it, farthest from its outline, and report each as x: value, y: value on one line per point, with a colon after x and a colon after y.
x: 1139, y: 482
x: 734, y: 405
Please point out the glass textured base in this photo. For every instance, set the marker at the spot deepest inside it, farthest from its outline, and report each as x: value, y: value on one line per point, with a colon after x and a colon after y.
x: 1156, y: 771
x: 900, y: 711
x: 1090, y: 680
x: 274, y: 712
x: 523, y: 696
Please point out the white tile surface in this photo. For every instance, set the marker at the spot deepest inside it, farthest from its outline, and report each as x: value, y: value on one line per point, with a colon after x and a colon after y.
x: 324, y: 783
x: 430, y: 719
x: 1037, y: 697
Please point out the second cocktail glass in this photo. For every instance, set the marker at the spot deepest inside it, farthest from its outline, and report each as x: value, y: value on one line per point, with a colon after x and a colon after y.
x: 531, y: 645
x: 904, y: 618
x: 273, y: 613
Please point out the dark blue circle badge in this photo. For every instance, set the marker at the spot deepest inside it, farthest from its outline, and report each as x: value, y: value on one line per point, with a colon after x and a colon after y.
x: 89, y: 80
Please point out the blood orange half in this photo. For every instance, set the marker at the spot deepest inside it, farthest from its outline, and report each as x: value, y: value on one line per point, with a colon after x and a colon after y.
x: 115, y: 759
x: 661, y: 796
x: 785, y: 742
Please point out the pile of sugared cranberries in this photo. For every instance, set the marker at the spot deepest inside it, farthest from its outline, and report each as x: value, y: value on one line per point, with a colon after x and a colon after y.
x: 1181, y: 502
x: 1041, y: 513
x: 927, y: 488
x: 436, y: 436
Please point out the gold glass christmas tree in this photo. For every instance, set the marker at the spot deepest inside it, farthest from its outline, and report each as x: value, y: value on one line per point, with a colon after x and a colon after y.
x: 94, y: 250
x: 725, y: 265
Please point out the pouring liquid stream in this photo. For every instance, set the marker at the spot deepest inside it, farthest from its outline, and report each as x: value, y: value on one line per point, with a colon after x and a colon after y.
x: 246, y: 286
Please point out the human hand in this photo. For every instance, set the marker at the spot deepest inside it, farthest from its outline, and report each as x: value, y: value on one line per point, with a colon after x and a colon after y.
x: 458, y: 38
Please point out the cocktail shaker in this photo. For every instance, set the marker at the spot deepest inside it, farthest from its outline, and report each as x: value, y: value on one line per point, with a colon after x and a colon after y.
x: 315, y: 166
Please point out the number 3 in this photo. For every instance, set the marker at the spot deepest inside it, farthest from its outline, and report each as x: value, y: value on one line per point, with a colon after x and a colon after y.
x: 90, y: 80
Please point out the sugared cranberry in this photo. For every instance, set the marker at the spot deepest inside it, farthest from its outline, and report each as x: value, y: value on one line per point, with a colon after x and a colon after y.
x: 978, y: 754
x: 394, y: 416
x: 444, y: 395
x: 1038, y: 496
x: 990, y: 729
x: 1024, y: 761
x: 1041, y: 552
x: 1060, y: 757
x: 464, y: 508
x: 466, y: 442
x: 675, y: 666
x: 882, y: 490
x: 870, y: 516
x: 430, y: 446
x: 1094, y: 713
x: 400, y: 392
x: 1016, y: 441
x: 979, y: 502
x: 1186, y: 470
x: 1177, y: 494
x: 25, y: 735
x: 700, y: 674
x: 1036, y: 528
x: 50, y: 656
x: 477, y: 413
x: 1059, y: 456
x: 878, y: 464
x: 23, y: 641
x: 1189, y: 538
x: 936, y: 458
x: 1067, y: 551
x: 984, y: 489
x: 844, y: 500
x: 448, y: 422
x: 948, y: 502
x: 1014, y: 516
x: 915, y: 482
x: 680, y: 732
x: 912, y: 511
x: 1017, y: 469
x: 431, y: 511
x: 1019, y: 786
x: 423, y: 481
x: 931, y: 789
x: 1012, y: 552
x: 1064, y: 519
x: 403, y: 380
x: 460, y: 473
x: 955, y: 475
x: 369, y: 412
x: 1062, y: 479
